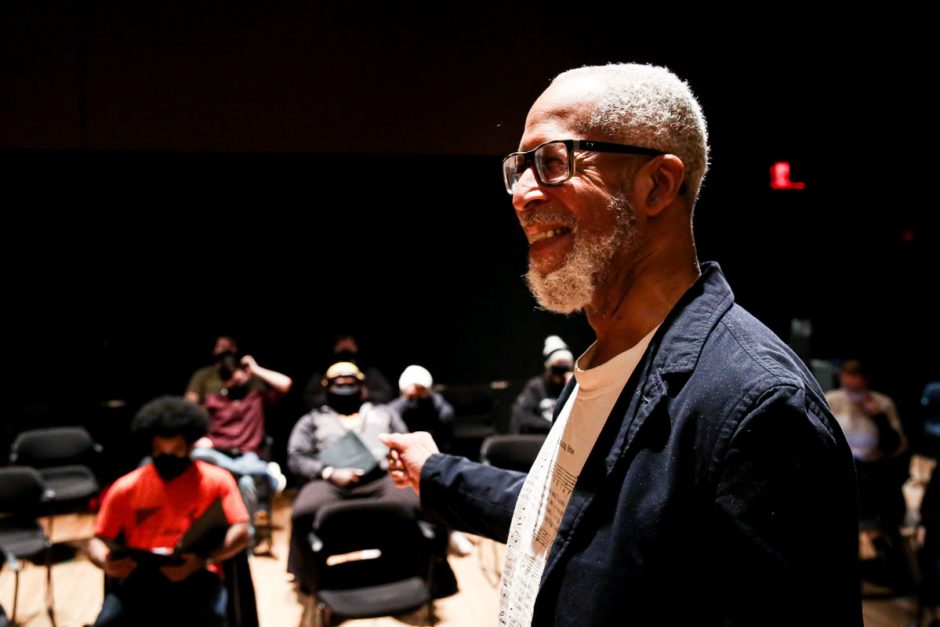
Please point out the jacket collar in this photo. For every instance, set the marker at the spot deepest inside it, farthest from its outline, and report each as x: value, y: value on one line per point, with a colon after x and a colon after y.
x: 680, y: 338
x: 688, y: 325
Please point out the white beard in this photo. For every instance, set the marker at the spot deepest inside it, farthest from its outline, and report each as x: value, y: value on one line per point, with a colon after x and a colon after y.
x: 571, y: 287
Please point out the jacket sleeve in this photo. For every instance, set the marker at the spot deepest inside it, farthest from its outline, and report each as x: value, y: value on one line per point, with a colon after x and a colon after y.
x: 786, y: 516
x: 470, y: 496
x: 302, y: 450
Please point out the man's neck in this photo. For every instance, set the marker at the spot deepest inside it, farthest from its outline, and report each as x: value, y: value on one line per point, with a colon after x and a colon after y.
x: 636, y: 302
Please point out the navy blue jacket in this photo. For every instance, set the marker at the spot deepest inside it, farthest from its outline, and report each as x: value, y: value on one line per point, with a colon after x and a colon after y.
x: 720, y: 491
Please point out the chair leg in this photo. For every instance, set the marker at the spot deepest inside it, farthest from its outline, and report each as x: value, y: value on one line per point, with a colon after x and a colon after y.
x: 16, y: 593
x: 50, y: 596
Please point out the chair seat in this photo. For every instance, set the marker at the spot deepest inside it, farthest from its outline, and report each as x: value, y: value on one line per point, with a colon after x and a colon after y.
x: 69, y: 483
x: 393, y: 598
x: 22, y: 538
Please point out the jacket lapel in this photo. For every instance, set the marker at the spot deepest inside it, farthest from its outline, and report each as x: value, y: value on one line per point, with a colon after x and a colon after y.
x: 673, y: 350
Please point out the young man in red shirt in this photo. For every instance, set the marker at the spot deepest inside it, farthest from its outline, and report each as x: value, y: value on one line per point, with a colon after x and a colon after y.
x: 152, y: 508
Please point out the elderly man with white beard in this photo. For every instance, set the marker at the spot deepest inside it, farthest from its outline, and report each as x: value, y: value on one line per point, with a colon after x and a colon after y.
x: 693, y: 473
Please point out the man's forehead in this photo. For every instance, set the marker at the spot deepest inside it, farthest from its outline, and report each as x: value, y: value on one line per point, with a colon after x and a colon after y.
x: 560, y: 111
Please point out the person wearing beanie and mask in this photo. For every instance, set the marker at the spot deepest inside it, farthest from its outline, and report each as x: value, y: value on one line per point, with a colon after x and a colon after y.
x: 346, y: 348
x: 325, y: 431
x: 152, y: 508
x: 533, y: 409
x: 423, y: 409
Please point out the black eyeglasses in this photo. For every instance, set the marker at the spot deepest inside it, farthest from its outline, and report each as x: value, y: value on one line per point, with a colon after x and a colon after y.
x: 554, y: 160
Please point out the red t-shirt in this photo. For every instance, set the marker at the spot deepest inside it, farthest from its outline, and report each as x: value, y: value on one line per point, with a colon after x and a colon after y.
x: 153, y: 513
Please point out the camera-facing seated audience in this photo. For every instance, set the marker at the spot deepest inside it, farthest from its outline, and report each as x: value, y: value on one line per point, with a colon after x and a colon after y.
x: 336, y: 452
x: 873, y: 430
x: 534, y: 408
x: 151, y: 509
x: 234, y: 391
x: 422, y: 408
x: 346, y: 348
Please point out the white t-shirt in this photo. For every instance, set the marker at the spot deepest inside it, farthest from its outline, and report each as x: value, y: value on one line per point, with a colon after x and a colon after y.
x: 859, y: 428
x: 548, y: 487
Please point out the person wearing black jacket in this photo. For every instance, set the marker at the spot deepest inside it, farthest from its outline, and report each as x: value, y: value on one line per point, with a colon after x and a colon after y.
x: 532, y: 411
x: 694, y: 474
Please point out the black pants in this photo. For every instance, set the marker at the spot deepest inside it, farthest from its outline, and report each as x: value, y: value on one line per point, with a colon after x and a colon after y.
x: 301, y: 560
x: 150, y: 599
x: 880, y: 499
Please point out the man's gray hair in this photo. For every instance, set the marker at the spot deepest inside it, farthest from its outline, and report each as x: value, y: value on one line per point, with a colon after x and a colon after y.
x: 647, y: 105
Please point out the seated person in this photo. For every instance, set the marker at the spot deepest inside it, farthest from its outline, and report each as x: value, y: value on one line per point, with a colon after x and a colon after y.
x: 873, y: 430
x: 421, y: 408
x: 235, y: 403
x: 346, y: 348
x: 206, y: 380
x: 313, y: 436
x: 152, y: 508
x: 533, y: 410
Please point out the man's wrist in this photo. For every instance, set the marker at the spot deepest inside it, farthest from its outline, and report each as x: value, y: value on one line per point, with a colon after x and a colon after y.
x: 327, y: 472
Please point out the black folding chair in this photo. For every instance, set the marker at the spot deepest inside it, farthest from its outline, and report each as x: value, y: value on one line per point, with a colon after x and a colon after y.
x: 21, y: 536
x: 372, y: 559
x: 513, y: 452
x: 63, y: 456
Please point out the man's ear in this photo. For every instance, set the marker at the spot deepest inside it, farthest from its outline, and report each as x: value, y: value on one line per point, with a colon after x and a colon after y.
x: 663, y: 180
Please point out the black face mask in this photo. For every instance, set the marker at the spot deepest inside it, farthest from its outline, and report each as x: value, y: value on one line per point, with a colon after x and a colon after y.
x: 344, y: 404
x: 227, y: 363
x: 419, y: 404
x: 170, y: 466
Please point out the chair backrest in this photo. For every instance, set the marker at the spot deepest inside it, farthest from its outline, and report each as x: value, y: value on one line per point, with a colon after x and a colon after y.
x: 369, y: 525
x: 57, y: 446
x: 21, y: 490
x: 470, y: 400
x: 513, y: 452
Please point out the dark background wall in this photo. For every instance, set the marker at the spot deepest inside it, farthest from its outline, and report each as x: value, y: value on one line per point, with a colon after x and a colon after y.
x: 282, y: 171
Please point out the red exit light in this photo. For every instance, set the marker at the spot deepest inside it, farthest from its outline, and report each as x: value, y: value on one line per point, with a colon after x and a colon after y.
x: 780, y: 177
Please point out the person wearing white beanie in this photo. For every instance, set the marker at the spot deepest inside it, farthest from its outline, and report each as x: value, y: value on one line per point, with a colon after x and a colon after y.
x: 421, y: 407
x: 534, y: 407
